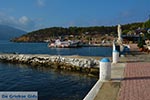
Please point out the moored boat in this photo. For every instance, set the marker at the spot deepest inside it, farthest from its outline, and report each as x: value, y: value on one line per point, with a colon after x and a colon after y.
x: 64, y: 44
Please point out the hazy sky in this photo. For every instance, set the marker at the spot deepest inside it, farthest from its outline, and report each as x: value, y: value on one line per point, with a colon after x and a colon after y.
x: 36, y: 14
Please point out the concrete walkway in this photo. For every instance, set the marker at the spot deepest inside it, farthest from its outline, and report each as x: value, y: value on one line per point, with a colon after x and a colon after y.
x: 109, y: 90
x: 130, y: 79
x: 136, y: 84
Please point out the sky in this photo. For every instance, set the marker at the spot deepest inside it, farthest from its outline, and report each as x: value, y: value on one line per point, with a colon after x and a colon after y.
x: 30, y: 15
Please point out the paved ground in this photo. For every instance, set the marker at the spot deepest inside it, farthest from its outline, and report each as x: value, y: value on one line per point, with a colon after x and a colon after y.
x: 117, y: 71
x: 109, y: 90
x: 136, y: 84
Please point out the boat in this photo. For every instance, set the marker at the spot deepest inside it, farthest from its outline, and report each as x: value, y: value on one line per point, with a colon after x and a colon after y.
x: 64, y: 44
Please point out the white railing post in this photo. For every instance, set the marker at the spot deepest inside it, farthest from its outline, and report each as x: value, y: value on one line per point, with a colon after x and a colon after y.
x: 115, y: 56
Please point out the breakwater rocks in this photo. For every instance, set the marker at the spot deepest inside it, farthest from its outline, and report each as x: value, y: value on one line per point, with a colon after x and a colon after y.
x: 89, y: 66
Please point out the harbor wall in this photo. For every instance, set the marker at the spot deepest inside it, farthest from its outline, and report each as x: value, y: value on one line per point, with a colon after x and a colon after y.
x: 89, y: 66
x: 93, y: 92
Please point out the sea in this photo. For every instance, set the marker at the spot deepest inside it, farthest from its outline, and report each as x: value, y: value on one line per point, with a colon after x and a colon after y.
x: 49, y: 83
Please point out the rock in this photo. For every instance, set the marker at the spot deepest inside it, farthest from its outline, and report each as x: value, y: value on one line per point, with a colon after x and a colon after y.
x: 57, y: 62
x: 94, y: 71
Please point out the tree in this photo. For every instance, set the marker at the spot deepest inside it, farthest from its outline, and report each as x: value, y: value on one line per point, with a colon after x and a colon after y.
x: 124, y: 32
x: 146, y: 24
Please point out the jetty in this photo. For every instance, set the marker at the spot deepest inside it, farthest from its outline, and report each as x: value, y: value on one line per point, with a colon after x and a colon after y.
x: 84, y: 65
x: 129, y: 79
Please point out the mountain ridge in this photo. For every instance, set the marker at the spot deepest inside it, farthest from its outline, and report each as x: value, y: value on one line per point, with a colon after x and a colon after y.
x: 8, y: 32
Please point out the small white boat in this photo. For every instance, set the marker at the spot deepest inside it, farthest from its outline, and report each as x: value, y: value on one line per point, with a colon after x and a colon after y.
x: 64, y: 44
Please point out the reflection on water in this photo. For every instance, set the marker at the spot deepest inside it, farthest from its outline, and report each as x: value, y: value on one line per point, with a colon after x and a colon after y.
x: 50, y: 84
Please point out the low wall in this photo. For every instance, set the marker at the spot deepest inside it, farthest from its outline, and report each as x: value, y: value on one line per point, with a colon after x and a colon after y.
x: 89, y: 66
x: 93, y: 92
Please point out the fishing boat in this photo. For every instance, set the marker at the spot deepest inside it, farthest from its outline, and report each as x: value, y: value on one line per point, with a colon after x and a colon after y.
x: 64, y: 44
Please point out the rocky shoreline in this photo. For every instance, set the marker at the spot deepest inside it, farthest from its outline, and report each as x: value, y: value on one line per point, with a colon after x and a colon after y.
x: 89, y: 66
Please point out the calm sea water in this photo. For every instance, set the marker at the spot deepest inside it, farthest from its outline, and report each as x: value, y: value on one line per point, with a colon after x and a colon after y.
x: 51, y: 84
x: 41, y: 48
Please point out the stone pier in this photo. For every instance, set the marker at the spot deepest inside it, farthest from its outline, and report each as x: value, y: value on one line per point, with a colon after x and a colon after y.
x: 89, y: 65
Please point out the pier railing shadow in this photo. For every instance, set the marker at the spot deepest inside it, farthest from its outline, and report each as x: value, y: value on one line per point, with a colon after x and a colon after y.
x: 131, y: 78
x: 137, y: 78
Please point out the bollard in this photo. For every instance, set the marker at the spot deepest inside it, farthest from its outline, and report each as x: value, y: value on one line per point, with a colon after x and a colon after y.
x: 115, y: 56
x: 105, y: 70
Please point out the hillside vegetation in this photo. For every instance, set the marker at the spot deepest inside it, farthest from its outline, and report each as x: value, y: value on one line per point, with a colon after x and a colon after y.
x: 76, y: 33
